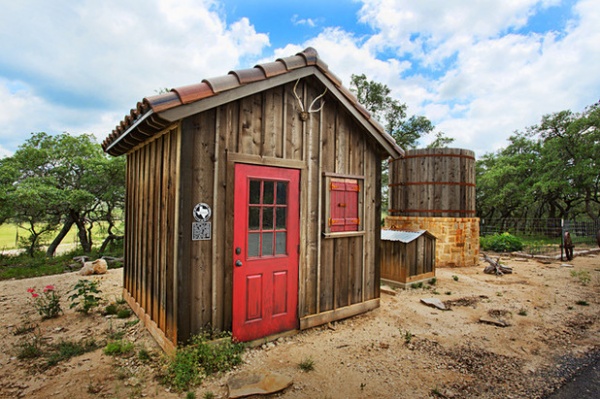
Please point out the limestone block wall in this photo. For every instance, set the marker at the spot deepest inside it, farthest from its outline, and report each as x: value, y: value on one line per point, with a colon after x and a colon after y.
x: 457, y: 242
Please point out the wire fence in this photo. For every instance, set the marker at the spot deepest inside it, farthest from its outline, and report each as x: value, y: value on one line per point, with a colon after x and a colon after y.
x: 544, y: 236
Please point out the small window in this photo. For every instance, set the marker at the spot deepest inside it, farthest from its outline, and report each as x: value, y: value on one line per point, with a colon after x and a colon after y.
x: 344, y: 204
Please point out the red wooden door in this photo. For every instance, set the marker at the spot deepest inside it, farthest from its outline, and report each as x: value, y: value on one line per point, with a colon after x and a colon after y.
x: 265, y: 251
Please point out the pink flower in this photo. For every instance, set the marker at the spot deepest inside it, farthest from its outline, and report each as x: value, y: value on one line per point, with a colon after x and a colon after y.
x: 48, y: 288
x: 33, y: 294
x: 31, y: 290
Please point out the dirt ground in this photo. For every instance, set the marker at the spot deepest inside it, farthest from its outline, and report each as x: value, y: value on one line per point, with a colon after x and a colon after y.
x: 404, y: 349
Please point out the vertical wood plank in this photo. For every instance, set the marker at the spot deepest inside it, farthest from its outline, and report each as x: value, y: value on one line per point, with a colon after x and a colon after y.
x: 250, y: 131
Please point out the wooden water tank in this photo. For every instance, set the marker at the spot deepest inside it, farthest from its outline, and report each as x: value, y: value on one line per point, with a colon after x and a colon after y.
x: 433, y: 182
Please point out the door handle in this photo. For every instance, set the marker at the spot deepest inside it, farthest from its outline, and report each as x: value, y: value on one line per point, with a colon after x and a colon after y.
x: 238, y: 263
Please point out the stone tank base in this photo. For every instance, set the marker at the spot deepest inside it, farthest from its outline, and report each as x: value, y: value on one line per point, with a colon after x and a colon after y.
x: 457, y: 243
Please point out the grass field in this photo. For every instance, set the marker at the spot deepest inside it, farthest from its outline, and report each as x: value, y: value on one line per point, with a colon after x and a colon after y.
x: 10, y: 233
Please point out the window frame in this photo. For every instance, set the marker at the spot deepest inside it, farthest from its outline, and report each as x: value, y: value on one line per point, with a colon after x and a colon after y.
x: 328, y: 179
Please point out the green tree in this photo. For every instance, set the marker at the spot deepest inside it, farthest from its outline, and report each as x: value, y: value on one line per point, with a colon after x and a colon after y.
x: 86, y: 185
x: 375, y: 97
x: 550, y: 170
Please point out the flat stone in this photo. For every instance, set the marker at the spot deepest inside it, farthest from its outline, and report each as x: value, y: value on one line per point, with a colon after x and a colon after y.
x: 434, y: 303
x: 257, y: 383
x: 494, y: 322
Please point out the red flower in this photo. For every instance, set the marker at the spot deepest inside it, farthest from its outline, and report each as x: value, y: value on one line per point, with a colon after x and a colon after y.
x: 31, y: 290
x: 48, y: 288
x: 33, y: 294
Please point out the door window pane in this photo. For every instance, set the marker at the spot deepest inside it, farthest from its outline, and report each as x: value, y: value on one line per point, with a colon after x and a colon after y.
x: 255, y: 191
x: 254, y: 218
x: 281, y: 193
x: 253, y: 244
x: 280, y: 243
x: 281, y: 218
x: 267, y: 244
x: 269, y: 192
x: 267, y: 218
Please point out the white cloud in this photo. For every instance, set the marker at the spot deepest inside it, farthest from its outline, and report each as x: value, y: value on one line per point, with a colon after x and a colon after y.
x: 310, y: 22
x: 104, y: 56
x: 498, y: 82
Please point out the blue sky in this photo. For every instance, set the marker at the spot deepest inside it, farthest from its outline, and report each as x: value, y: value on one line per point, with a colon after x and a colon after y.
x: 480, y: 70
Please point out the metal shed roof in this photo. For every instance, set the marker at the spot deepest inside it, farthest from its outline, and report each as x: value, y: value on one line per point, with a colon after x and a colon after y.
x: 403, y: 236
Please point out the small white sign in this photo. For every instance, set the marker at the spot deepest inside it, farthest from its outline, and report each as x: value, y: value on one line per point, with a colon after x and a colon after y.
x: 202, y: 212
x: 201, y: 231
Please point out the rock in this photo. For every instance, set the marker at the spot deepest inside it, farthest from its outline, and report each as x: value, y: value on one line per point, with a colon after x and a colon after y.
x: 257, y: 383
x: 99, y: 266
x: 495, y: 322
x: 566, y: 265
x: 434, y: 303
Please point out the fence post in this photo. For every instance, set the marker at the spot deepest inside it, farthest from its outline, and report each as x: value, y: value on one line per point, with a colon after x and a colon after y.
x: 562, y: 238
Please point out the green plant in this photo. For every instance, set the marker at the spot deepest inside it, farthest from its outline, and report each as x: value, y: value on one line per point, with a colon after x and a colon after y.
x: 435, y: 292
x: 64, y: 350
x: 118, y: 347
x: 200, y: 358
x: 582, y: 303
x: 448, y: 292
x: 504, y: 242
x: 454, y: 277
x: 144, y: 355
x: 417, y: 285
x: 208, y: 395
x: 47, y: 303
x: 85, y: 295
x: 30, y: 347
x: 25, y: 328
x: 111, y: 309
x: 190, y: 395
x: 582, y: 275
x: 522, y: 312
x: 131, y: 323
x: 123, y: 313
x: 307, y: 364
x: 408, y: 336
x: 433, y: 281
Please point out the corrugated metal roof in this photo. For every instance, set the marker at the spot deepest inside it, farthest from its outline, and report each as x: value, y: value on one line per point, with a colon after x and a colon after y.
x: 404, y: 236
x: 148, y: 117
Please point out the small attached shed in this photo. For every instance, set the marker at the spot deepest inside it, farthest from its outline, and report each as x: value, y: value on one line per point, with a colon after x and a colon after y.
x: 253, y: 203
x: 407, y: 257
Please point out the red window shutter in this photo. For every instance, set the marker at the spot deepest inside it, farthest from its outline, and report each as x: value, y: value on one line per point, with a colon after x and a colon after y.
x: 352, y: 189
x: 344, y: 205
x: 337, y: 218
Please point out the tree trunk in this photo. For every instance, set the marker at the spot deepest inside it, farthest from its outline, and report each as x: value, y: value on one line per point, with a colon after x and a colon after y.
x: 86, y: 245
x: 58, y: 239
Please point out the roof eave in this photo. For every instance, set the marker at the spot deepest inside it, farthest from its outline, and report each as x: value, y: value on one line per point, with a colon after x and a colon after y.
x: 186, y: 110
x: 130, y: 129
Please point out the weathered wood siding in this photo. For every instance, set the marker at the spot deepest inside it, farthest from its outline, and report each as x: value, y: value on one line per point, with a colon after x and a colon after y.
x: 151, y: 216
x: 407, y: 262
x: 336, y: 274
x: 265, y: 128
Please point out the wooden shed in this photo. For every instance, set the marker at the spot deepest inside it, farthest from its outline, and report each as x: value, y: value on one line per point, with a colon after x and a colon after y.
x: 407, y: 257
x: 253, y: 203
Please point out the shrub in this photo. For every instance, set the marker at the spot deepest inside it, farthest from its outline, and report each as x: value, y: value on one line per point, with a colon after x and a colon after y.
x: 85, y: 296
x: 64, y: 350
x: 201, y: 358
x: 47, y: 303
x: 123, y: 313
x: 504, y: 242
x: 119, y: 347
x: 307, y: 365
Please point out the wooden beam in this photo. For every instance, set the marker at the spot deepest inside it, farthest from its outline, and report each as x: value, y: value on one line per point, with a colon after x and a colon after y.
x: 268, y: 161
x: 338, y: 314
